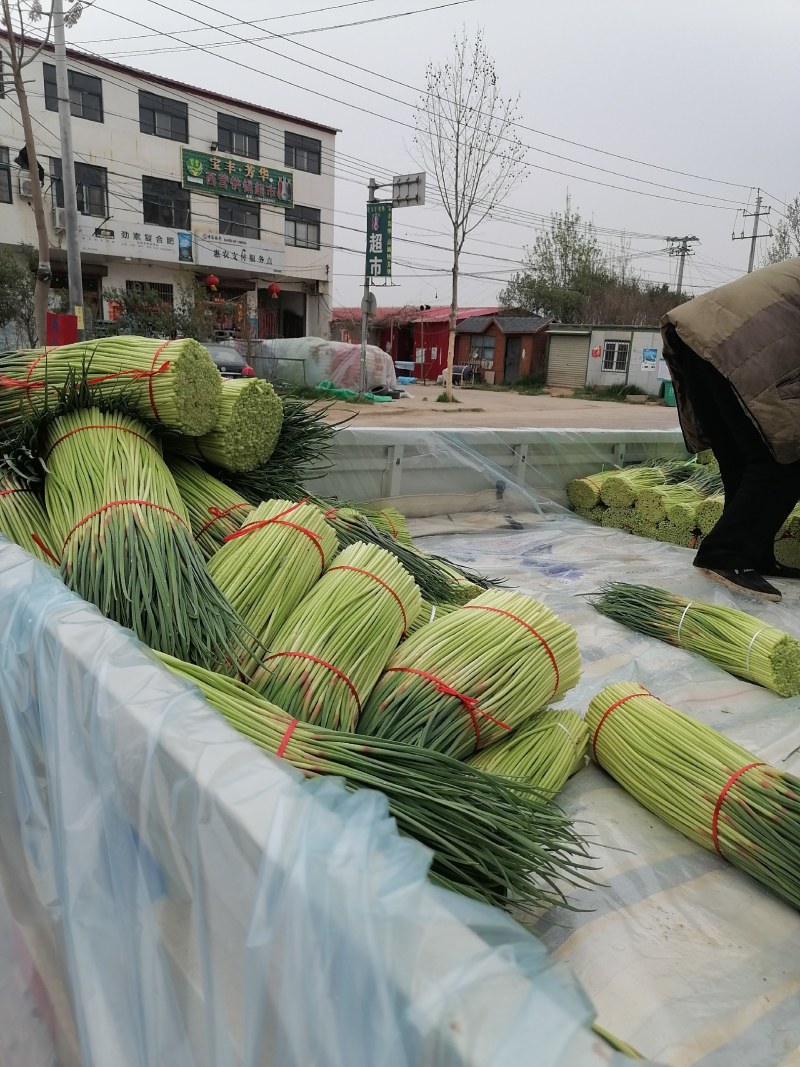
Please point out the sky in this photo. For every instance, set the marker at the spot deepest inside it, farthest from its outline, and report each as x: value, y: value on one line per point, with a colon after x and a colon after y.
x: 615, y: 98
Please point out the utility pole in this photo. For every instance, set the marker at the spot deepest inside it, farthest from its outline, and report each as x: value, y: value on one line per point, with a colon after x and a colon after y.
x: 755, y: 235
x: 367, y: 303
x: 68, y: 169
x: 680, y: 246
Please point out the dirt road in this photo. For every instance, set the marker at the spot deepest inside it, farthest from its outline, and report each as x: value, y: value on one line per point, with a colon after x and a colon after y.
x: 499, y: 410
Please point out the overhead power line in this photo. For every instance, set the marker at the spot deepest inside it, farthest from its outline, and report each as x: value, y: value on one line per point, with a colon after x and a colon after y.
x: 725, y: 205
x: 381, y: 76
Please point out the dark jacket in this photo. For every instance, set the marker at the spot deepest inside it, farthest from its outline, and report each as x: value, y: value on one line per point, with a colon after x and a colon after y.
x: 750, y: 331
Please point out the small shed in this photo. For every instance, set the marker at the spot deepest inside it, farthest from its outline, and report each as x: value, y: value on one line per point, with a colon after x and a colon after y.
x: 504, y: 347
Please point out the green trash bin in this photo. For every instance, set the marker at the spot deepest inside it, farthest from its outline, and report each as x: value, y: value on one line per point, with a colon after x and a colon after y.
x: 669, y: 395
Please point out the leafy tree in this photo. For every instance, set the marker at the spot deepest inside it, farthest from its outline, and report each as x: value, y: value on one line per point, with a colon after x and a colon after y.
x: 568, y: 276
x: 786, y: 235
x: 565, y: 264
x: 17, y: 293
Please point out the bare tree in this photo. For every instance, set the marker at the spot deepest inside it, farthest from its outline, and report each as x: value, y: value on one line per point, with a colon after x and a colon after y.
x: 21, y: 50
x: 465, y: 136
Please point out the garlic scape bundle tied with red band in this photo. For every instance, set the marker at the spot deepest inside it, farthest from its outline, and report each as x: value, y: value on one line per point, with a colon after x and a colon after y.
x: 173, y: 384
x: 24, y: 520
x: 124, y: 541
x: 246, y: 431
x: 270, y: 563
x: 334, y: 647
x: 715, y: 792
x: 215, y: 510
x: 512, y: 847
x: 468, y: 678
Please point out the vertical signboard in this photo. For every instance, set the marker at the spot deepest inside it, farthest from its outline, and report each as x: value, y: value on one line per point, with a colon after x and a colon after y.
x: 379, y: 240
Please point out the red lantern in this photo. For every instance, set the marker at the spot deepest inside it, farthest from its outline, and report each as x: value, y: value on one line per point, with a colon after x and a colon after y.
x: 211, y: 281
x: 274, y: 290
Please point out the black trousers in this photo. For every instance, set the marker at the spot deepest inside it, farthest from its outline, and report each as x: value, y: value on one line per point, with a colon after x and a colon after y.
x: 759, y: 492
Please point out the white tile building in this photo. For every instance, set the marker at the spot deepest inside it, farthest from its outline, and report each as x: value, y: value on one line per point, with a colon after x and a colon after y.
x: 174, y: 179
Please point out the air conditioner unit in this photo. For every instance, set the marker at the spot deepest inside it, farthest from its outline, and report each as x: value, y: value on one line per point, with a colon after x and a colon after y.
x: 25, y: 187
x: 59, y: 220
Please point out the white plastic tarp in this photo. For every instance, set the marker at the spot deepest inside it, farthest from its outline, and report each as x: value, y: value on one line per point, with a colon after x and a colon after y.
x: 170, y: 895
x: 689, y: 959
x: 311, y: 360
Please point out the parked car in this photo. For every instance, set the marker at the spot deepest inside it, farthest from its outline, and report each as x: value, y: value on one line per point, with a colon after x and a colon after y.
x: 229, y: 363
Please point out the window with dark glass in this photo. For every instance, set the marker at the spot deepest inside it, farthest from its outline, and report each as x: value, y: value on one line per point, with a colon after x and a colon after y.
x: 163, y: 117
x: 237, y: 136
x: 239, y: 219
x: 85, y: 93
x: 302, y: 226
x: 92, y: 188
x: 164, y: 290
x: 5, y: 177
x: 303, y: 153
x: 166, y: 204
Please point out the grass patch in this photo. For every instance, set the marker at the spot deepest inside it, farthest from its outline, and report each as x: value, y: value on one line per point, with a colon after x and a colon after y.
x: 613, y: 393
x: 443, y: 398
x: 530, y: 385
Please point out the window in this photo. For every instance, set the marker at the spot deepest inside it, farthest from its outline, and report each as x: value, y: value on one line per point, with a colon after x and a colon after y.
x: 302, y: 227
x: 5, y: 177
x: 481, y: 347
x: 163, y: 117
x: 85, y: 93
x: 92, y: 188
x: 166, y: 204
x: 238, y: 218
x: 162, y: 289
x: 239, y: 136
x: 302, y: 153
x: 615, y: 356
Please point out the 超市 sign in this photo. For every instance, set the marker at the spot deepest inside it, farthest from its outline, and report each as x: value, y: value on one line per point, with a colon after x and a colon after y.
x: 216, y: 175
x: 379, y: 240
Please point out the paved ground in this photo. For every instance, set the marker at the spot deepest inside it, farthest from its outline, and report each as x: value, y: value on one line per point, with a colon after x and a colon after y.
x: 498, y: 410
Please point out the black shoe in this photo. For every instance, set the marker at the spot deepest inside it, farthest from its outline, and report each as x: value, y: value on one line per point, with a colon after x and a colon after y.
x: 746, y: 581
x: 780, y: 570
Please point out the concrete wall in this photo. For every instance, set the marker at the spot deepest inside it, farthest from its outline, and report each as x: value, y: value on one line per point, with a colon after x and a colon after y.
x: 635, y: 373
x: 127, y: 154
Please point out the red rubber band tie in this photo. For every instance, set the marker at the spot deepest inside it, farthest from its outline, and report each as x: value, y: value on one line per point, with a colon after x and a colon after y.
x: 322, y: 663
x: 290, y: 729
x: 220, y: 513
x: 718, y: 806
x: 8, y: 492
x: 27, y: 383
x: 538, y: 636
x: 250, y: 527
x: 40, y: 543
x: 607, y: 712
x: 470, y: 703
x: 152, y: 374
x: 392, y: 526
x: 99, y: 426
x: 120, y: 504
x: 380, y: 581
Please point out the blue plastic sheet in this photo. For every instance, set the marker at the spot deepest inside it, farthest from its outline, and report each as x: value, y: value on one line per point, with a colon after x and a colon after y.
x: 169, y: 895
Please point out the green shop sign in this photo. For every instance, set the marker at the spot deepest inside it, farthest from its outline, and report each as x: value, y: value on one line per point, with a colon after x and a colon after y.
x: 217, y: 175
x: 379, y: 239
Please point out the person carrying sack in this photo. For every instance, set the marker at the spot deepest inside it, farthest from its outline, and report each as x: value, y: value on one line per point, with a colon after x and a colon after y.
x: 734, y: 357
